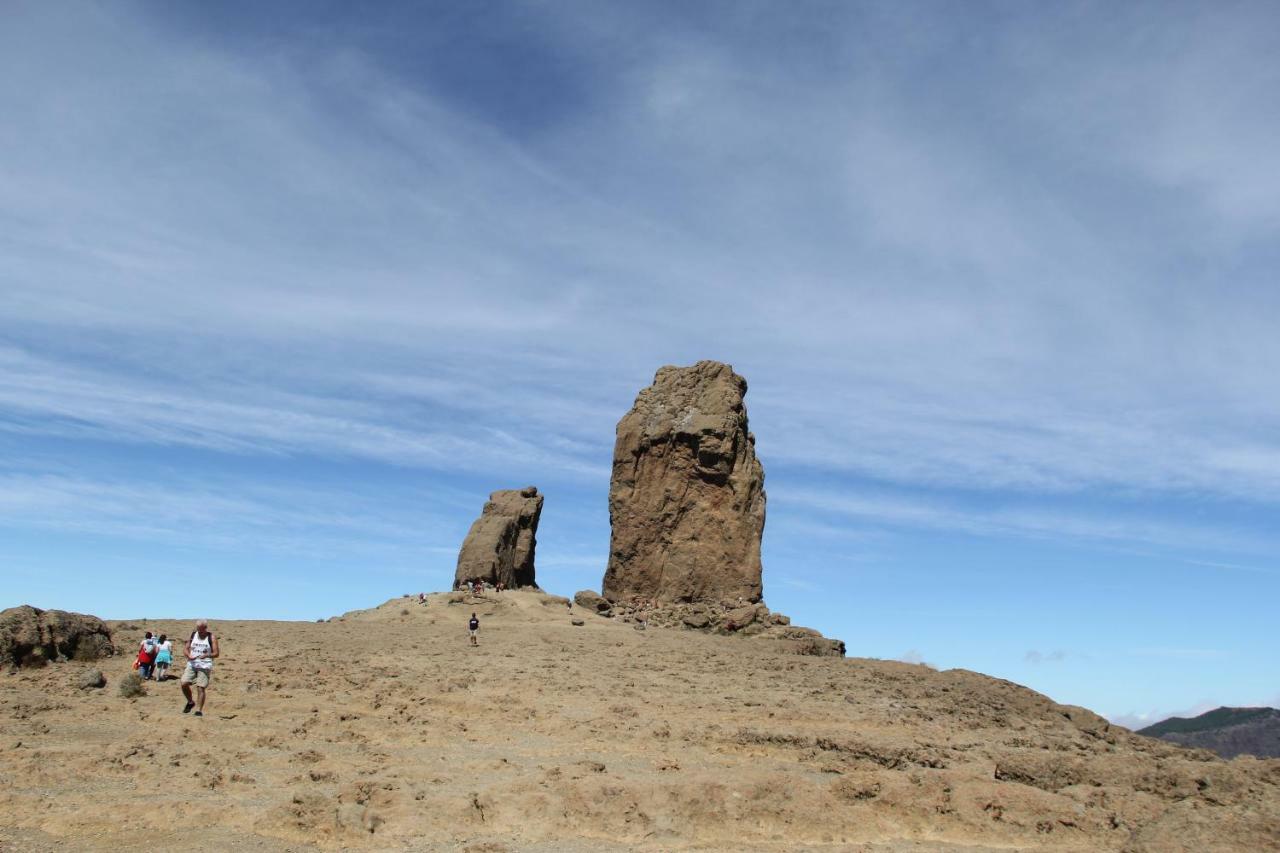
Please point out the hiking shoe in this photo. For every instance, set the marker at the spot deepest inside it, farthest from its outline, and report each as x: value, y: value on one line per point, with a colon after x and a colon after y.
x: 199, y: 713
x: 188, y: 707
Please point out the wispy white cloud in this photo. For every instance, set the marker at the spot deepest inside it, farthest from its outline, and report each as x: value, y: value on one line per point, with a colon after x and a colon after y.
x: 226, y: 515
x: 879, y: 509
x: 50, y: 398
x: 1037, y: 657
x: 914, y: 656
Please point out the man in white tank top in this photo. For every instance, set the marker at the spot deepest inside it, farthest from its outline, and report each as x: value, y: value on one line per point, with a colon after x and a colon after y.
x: 202, y: 648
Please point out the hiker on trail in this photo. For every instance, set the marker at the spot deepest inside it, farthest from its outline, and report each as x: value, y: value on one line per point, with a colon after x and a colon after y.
x: 202, y: 648
x: 146, y: 656
x: 474, y: 627
x: 164, y: 657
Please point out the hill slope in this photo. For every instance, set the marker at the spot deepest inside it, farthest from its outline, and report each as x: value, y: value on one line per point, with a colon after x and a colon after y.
x: 1227, y: 731
x: 385, y: 731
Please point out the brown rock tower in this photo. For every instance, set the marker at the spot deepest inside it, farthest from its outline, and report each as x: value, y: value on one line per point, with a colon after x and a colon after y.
x: 686, y: 500
x: 499, y: 547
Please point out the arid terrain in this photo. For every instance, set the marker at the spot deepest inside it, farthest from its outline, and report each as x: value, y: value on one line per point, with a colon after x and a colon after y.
x: 384, y: 730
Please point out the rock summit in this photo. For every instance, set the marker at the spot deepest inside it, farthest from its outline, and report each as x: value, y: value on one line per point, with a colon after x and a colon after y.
x: 499, y: 547
x: 686, y: 498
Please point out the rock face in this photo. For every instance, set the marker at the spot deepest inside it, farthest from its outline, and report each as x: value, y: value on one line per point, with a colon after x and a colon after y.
x: 686, y: 500
x: 33, y: 637
x: 499, y: 547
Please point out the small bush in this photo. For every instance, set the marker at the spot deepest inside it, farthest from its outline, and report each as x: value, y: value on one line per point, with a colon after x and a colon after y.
x: 131, y: 686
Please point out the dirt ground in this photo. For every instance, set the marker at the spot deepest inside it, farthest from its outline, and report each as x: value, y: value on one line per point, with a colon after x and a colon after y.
x: 384, y: 730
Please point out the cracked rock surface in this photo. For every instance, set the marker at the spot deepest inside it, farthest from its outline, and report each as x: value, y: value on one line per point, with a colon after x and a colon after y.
x: 686, y: 498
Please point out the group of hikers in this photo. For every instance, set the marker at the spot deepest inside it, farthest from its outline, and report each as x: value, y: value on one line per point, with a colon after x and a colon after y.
x: 155, y: 655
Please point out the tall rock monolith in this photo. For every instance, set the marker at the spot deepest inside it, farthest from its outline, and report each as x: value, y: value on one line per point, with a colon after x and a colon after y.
x: 686, y: 500
x: 499, y: 547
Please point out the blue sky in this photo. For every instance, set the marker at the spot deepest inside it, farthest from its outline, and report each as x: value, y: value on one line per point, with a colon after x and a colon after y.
x: 287, y: 289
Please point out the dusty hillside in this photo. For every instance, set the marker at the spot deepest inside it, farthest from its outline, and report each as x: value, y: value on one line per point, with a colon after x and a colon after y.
x: 385, y: 731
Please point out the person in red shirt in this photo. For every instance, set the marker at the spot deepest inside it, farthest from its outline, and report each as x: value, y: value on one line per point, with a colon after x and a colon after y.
x: 146, y: 656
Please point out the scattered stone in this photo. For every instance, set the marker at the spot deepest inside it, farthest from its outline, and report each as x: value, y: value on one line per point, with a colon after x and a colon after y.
x: 33, y: 637
x: 499, y: 548
x: 696, y: 621
x: 686, y: 499
x: 91, y: 679
x: 577, y: 622
x: 739, y: 618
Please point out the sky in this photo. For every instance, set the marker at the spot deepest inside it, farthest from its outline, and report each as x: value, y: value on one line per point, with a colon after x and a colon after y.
x: 287, y: 289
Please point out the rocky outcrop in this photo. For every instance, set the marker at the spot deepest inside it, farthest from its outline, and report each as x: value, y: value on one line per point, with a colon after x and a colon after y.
x: 499, y: 547
x: 33, y: 637
x: 686, y: 499
x: 748, y: 620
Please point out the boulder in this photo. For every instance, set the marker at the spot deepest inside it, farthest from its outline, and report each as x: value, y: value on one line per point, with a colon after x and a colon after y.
x: 686, y: 498
x: 499, y: 548
x: 740, y: 617
x: 697, y: 621
x: 33, y: 637
x: 589, y: 599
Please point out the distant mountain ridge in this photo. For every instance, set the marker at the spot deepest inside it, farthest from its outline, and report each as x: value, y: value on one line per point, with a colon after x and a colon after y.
x: 1227, y: 731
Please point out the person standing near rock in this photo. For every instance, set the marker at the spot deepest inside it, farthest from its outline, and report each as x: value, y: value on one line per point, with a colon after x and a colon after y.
x: 202, y: 648
x: 474, y: 627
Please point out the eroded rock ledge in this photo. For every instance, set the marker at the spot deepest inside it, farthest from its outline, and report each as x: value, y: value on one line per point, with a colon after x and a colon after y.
x: 743, y: 619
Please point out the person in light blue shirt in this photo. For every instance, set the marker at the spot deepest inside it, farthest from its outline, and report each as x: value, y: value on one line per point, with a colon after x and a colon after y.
x: 164, y: 657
